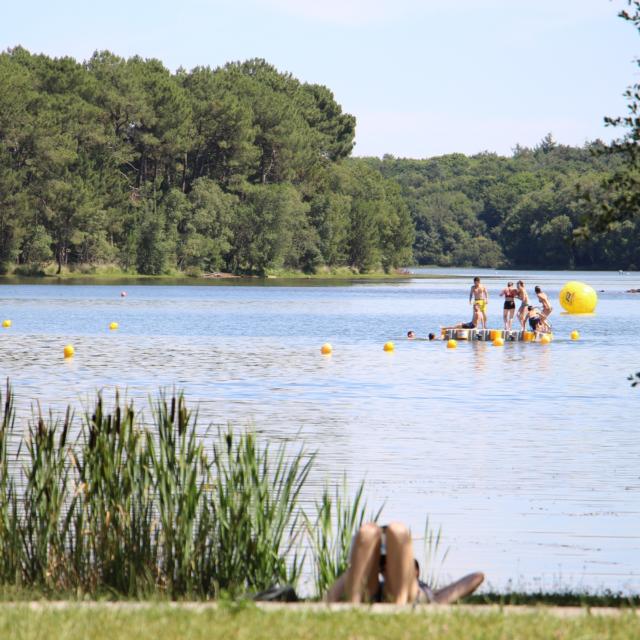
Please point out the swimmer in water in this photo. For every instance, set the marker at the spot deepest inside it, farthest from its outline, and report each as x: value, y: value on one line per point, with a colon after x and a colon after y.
x: 411, y: 335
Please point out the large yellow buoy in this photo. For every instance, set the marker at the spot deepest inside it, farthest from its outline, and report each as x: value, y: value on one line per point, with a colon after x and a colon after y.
x: 498, y: 342
x: 451, y: 344
x: 578, y: 297
x: 6, y: 323
x: 326, y: 349
x: 389, y: 346
x: 575, y: 335
x: 113, y: 326
x: 69, y: 351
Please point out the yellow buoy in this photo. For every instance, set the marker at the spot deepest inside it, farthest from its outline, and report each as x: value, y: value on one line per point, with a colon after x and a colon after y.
x: 545, y: 339
x: 6, y: 323
x: 495, y: 333
x: 326, y: 349
x: 451, y: 344
x: 498, y: 342
x: 578, y: 297
x: 113, y: 326
x: 528, y: 336
x: 69, y: 351
x: 575, y: 335
x: 389, y: 346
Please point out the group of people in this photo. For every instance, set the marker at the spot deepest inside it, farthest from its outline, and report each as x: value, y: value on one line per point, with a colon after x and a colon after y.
x: 538, y: 318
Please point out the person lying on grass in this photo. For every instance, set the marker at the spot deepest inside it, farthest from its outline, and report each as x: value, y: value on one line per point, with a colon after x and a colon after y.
x: 387, y: 551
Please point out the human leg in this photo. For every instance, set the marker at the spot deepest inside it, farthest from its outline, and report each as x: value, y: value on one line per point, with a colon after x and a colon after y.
x: 459, y: 589
x: 400, y: 584
x: 361, y: 578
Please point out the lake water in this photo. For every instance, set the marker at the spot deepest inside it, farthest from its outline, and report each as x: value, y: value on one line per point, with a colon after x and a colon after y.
x: 527, y: 456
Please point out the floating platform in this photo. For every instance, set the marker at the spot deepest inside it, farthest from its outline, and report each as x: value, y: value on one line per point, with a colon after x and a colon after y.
x: 488, y: 335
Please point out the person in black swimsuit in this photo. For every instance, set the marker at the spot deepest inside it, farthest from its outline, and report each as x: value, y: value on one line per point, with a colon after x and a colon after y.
x: 475, y: 320
x: 537, y: 322
x: 387, y: 551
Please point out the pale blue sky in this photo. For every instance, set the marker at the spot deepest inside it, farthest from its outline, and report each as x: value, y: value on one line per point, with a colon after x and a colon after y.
x: 423, y: 78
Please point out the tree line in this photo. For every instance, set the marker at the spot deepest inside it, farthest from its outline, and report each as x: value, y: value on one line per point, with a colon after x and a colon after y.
x: 245, y: 169
x: 527, y: 210
x: 240, y: 168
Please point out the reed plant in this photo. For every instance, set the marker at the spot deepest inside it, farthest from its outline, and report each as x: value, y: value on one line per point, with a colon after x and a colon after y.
x: 433, y: 553
x: 338, y: 518
x: 10, y: 542
x: 253, y: 509
x: 116, y: 506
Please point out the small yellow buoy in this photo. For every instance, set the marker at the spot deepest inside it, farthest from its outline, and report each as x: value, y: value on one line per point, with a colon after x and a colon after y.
x: 575, y: 335
x: 69, y: 351
x: 498, y: 342
x: 545, y: 339
x: 528, y: 336
x: 389, y: 346
x: 326, y: 349
x: 495, y: 333
x: 6, y: 323
x: 113, y: 326
x: 451, y: 344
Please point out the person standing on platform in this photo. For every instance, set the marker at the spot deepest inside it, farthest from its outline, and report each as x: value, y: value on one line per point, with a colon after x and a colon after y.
x: 509, y: 293
x: 479, y: 296
x: 522, y: 294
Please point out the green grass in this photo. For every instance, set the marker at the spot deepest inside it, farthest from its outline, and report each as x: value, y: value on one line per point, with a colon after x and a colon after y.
x: 160, y: 622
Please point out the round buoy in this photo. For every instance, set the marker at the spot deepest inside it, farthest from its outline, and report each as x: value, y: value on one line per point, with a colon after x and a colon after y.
x: 494, y: 334
x: 528, y: 336
x: 498, y: 342
x: 451, y: 344
x: 113, y: 326
x: 578, y: 297
x: 575, y: 335
x: 6, y: 323
x: 123, y: 294
x: 326, y: 349
x: 69, y: 351
x: 545, y: 339
x: 389, y: 346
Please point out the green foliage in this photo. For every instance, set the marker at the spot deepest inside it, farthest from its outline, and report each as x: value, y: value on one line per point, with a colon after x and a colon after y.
x: 134, y: 509
x: 338, y: 518
x: 119, y: 160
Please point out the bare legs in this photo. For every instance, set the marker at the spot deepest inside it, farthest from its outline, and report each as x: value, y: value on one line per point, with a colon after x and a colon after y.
x: 361, y: 580
x: 507, y: 316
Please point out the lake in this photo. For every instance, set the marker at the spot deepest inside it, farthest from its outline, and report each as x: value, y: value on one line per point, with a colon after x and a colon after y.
x: 527, y: 456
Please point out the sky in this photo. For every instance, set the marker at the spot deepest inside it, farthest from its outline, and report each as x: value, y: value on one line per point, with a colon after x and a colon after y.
x: 422, y: 77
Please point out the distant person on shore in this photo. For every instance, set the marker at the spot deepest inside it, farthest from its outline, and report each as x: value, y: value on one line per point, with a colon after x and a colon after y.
x: 509, y: 293
x: 475, y: 320
x: 382, y: 568
x: 522, y: 294
x: 544, y: 301
x: 480, y: 296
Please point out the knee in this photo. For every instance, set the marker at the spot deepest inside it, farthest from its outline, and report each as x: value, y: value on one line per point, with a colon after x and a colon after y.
x: 368, y: 534
x: 399, y: 533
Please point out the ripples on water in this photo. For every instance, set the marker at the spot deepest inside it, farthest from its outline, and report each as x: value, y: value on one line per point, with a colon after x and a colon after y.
x: 528, y: 456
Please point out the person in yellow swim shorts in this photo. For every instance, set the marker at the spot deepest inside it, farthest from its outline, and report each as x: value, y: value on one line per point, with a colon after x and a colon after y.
x: 479, y: 296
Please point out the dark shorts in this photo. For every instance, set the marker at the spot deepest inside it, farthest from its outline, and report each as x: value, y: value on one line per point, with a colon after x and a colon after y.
x: 509, y: 304
x: 468, y: 325
x: 534, y: 322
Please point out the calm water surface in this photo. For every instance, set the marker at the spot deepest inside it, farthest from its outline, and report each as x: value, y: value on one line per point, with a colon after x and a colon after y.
x: 527, y: 456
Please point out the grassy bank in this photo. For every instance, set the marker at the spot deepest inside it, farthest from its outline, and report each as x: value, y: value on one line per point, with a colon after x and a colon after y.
x: 110, y: 272
x: 161, y: 622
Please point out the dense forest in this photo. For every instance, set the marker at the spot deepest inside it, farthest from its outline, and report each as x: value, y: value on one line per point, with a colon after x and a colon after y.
x: 240, y: 168
x: 245, y: 169
x: 527, y: 210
